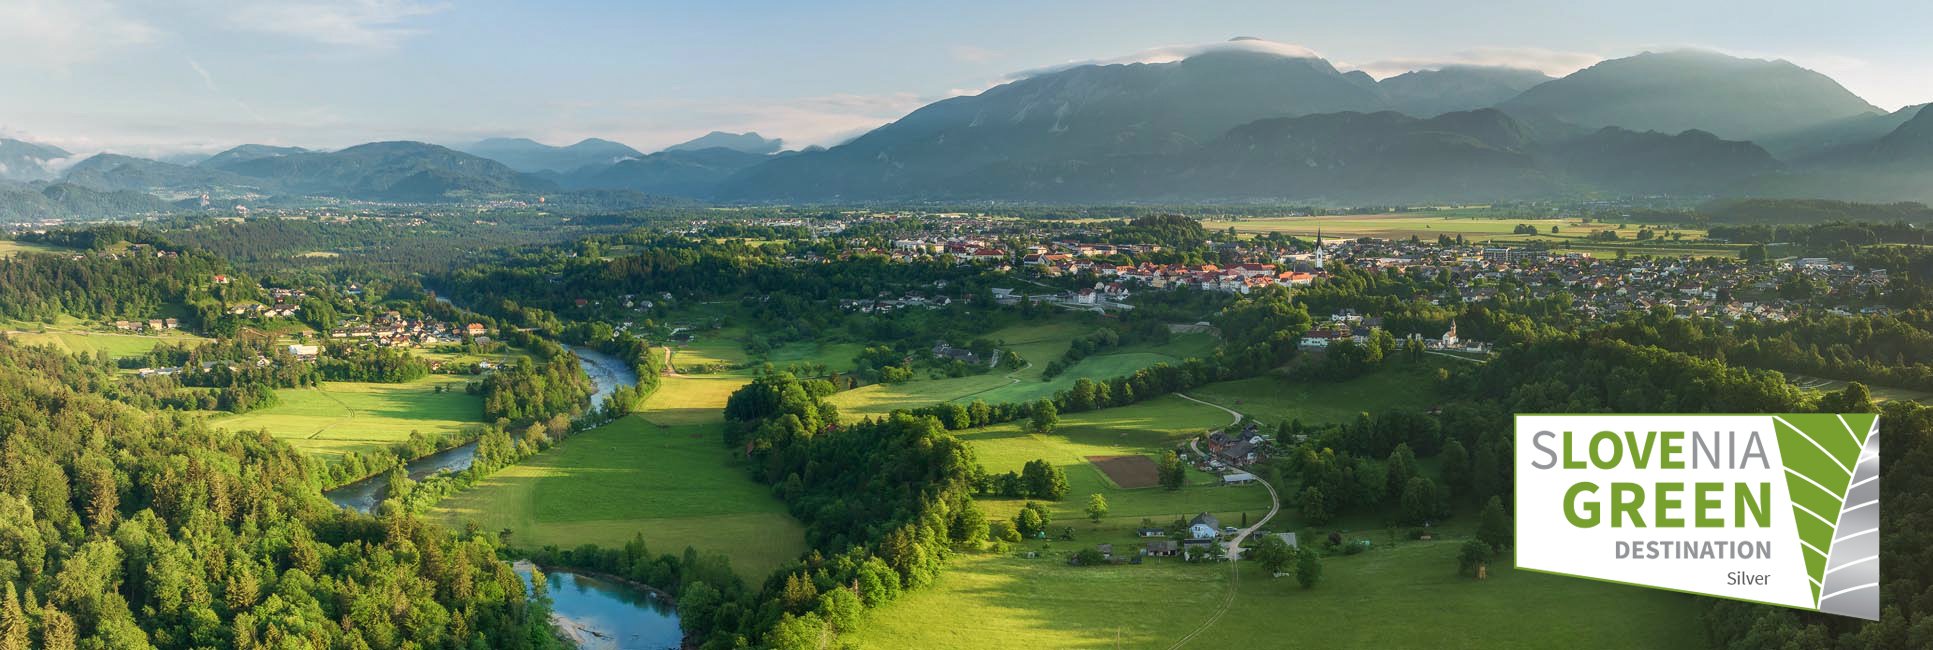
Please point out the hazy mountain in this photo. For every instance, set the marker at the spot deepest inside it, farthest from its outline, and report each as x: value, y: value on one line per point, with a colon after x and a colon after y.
x: 1428, y: 93
x: 1079, y: 115
x: 388, y: 171
x: 112, y: 172
x: 24, y: 202
x: 671, y: 172
x: 1837, y: 134
x: 245, y: 153
x: 749, y: 142
x: 26, y: 161
x: 1351, y: 156
x: 1673, y: 92
x: 1911, y: 143
x: 1689, y: 163
x: 526, y: 155
x: 1472, y: 155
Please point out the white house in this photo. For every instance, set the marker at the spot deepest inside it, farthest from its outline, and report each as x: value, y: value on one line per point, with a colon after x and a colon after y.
x: 1204, y: 526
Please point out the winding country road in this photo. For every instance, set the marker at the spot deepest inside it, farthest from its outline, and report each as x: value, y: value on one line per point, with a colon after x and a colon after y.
x: 1235, y: 544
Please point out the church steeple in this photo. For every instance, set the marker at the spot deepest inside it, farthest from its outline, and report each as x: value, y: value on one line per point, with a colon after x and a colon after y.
x: 1318, y: 249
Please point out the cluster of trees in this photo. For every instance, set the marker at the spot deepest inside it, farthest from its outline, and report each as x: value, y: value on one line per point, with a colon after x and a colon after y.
x: 1037, y: 479
x: 883, y: 501
x: 169, y: 535
x: 548, y: 385
x: 1891, y: 350
x: 136, y: 285
x: 382, y: 365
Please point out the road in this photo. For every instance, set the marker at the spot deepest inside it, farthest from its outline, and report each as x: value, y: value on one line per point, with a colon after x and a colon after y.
x: 1234, y: 544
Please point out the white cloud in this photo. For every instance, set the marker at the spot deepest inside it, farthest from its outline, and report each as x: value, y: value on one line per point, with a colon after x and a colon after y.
x: 61, y: 33
x: 374, y: 24
x: 1551, y: 62
x: 1172, y: 53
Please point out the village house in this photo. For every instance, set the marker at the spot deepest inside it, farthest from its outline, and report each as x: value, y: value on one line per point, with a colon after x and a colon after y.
x: 1204, y: 526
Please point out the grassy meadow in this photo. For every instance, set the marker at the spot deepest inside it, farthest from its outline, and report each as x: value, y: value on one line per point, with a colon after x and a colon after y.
x: 73, y: 335
x: 1148, y: 429
x: 1399, y: 594
x: 341, y: 417
x: 675, y: 484
x: 1274, y: 398
x: 1038, y: 343
x: 9, y: 247
x: 1406, y: 595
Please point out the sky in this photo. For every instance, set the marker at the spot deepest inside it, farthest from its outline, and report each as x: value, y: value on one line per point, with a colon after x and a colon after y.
x: 156, y: 77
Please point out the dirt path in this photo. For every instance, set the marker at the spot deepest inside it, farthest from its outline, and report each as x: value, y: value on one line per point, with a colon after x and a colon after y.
x: 1235, y: 544
x: 669, y: 370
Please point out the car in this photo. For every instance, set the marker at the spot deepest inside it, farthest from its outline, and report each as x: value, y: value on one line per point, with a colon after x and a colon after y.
x: 1229, y: 529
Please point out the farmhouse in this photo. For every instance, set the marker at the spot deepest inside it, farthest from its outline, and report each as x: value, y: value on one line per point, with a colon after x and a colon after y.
x: 1163, y: 548
x: 1204, y: 526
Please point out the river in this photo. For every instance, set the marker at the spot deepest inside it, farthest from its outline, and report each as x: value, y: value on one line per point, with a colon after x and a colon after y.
x: 606, y: 372
x: 602, y: 615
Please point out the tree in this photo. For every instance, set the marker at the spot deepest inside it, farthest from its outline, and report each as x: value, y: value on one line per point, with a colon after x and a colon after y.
x: 1314, y: 508
x: 1308, y: 568
x: 1032, y: 520
x: 1043, y: 480
x: 1456, y: 466
x: 1473, y: 554
x: 1419, y: 500
x: 1044, y: 417
x: 1096, y: 507
x: 1495, y: 527
x: 1273, y: 554
x: 1173, y: 474
x: 13, y: 620
x: 1401, y: 468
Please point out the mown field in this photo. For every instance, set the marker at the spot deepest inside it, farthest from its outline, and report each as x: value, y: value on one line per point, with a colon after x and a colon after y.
x: 73, y: 335
x: 1148, y: 429
x: 674, y: 483
x: 1038, y: 343
x: 11, y: 247
x: 1405, y: 595
x: 341, y: 417
x: 1274, y: 398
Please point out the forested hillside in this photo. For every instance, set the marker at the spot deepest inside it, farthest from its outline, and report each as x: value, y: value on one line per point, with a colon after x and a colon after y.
x: 125, y: 530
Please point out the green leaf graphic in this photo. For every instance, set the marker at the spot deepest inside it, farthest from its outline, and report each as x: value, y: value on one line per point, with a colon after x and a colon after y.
x: 1822, y: 455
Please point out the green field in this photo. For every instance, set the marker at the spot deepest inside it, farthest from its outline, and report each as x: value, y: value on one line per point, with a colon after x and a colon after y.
x: 715, y: 347
x: 1147, y: 428
x: 11, y: 247
x: 1402, y: 596
x: 1274, y: 399
x: 675, y: 485
x: 693, y: 399
x: 1879, y: 393
x: 114, y: 344
x: 1428, y: 226
x: 1038, y: 343
x: 341, y: 417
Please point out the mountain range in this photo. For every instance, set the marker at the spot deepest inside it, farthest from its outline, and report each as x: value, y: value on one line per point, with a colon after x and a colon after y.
x: 1225, y: 124
x: 26, y: 161
x: 530, y: 156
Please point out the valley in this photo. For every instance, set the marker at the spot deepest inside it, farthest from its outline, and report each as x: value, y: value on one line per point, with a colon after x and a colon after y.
x: 411, y: 325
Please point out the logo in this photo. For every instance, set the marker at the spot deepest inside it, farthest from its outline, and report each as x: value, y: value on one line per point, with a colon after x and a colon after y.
x: 1775, y: 509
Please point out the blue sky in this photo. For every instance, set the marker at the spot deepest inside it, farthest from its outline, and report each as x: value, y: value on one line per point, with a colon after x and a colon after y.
x: 157, y: 76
